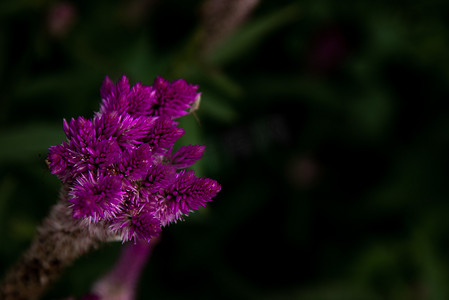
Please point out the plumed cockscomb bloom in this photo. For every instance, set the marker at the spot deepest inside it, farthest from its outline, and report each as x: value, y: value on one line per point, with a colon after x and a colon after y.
x: 169, y: 100
x: 96, y: 197
x: 184, y: 194
x: 187, y: 156
x: 172, y: 99
x: 120, y: 167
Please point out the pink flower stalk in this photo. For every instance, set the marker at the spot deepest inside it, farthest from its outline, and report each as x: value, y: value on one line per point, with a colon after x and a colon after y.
x: 121, y: 282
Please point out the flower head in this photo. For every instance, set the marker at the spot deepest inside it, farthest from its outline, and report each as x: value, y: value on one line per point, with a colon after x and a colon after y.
x: 138, y: 223
x: 164, y: 99
x: 119, y: 165
x: 185, y: 194
x: 96, y: 197
x: 187, y: 156
x: 172, y: 99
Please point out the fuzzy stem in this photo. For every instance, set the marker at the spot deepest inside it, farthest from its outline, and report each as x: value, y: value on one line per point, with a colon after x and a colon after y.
x: 59, y: 241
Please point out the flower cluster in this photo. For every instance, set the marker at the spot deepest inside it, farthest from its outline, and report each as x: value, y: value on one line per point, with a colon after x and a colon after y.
x: 120, y: 166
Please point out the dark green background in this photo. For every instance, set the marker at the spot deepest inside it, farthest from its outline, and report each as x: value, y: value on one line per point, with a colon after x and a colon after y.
x: 326, y: 122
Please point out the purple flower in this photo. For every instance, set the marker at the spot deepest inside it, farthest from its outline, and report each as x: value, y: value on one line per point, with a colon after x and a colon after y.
x: 119, y: 165
x: 164, y: 133
x: 134, y: 163
x: 187, y: 156
x: 141, y: 98
x: 96, y: 197
x: 158, y: 177
x: 164, y: 99
x: 96, y: 157
x: 138, y: 223
x: 80, y: 132
x: 58, y: 160
x: 172, y: 99
x: 114, y: 97
x: 128, y: 130
x: 185, y: 194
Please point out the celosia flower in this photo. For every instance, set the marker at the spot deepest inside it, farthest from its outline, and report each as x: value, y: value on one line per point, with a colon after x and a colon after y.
x: 119, y: 165
x: 172, y: 99
x: 96, y: 196
x: 184, y: 194
x: 187, y: 156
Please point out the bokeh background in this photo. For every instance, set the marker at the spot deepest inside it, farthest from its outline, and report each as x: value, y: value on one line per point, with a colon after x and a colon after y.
x: 326, y: 122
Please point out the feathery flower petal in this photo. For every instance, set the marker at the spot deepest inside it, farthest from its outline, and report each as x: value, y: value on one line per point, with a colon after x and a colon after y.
x: 164, y: 133
x: 129, y: 131
x: 96, y: 157
x: 96, y: 197
x: 134, y: 163
x: 121, y: 99
x: 140, y: 100
x: 187, y: 156
x: 185, y: 194
x: 157, y: 177
x: 171, y: 100
x: 114, y: 98
x: 137, y: 223
x: 57, y: 160
x: 80, y: 132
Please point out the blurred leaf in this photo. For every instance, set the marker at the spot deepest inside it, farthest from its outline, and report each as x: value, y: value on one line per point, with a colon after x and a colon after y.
x: 377, y: 260
x: 28, y: 142
x: 7, y: 187
x: 371, y: 114
x: 3, y: 52
x: 249, y: 37
x: 16, y: 6
x: 331, y: 291
x: 434, y: 273
x: 389, y: 33
x: 217, y: 108
x: 56, y: 83
x: 140, y: 62
x: 22, y: 228
x: 303, y: 89
x: 224, y: 83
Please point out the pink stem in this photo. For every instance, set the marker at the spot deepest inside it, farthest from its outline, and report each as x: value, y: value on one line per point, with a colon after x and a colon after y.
x: 121, y: 282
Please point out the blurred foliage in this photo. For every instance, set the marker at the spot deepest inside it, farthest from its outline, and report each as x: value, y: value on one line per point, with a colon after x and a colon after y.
x: 326, y: 122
